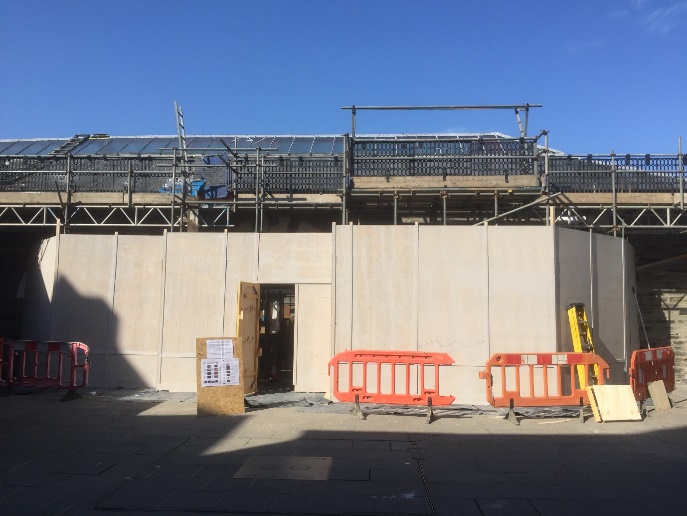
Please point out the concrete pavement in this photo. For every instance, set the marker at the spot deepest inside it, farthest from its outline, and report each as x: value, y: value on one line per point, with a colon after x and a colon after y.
x: 143, y: 452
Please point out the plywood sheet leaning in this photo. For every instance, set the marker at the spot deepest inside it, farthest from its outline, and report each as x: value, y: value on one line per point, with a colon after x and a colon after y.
x: 657, y: 391
x: 613, y: 403
x: 247, y: 319
x: 215, y: 400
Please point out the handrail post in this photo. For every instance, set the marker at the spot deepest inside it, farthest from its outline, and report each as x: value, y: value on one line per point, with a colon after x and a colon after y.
x: 680, y: 158
x: 174, y: 193
x: 395, y: 207
x: 257, y: 187
x: 69, y: 193
x: 546, y: 162
x: 615, y: 194
x: 344, y: 177
x: 128, y: 184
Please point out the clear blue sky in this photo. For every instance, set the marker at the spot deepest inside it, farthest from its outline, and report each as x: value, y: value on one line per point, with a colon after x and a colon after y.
x: 611, y: 75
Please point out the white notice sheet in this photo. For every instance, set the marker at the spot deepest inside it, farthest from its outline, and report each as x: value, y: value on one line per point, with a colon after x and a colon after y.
x: 220, y: 349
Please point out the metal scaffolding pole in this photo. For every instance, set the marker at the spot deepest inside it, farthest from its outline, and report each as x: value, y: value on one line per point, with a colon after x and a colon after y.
x: 517, y: 107
x: 681, y: 158
x: 344, y: 192
x: 524, y: 206
x: 174, y: 194
x: 257, y: 187
x: 69, y: 193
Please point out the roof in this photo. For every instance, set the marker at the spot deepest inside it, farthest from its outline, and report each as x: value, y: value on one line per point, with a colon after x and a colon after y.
x: 101, y: 145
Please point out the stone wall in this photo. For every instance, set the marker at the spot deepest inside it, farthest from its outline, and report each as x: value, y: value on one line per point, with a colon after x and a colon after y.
x: 662, y: 293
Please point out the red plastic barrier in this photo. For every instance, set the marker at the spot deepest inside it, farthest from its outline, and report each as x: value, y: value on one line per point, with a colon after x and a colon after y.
x: 650, y: 365
x: 538, y: 369
x: 61, y: 365
x: 376, y: 359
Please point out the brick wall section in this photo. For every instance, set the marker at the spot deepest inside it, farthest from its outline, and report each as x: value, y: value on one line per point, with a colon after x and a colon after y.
x: 662, y: 294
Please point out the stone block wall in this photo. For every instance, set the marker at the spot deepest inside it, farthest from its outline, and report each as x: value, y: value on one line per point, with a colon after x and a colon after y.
x: 662, y: 293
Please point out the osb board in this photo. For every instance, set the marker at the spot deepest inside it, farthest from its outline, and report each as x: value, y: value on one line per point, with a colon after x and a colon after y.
x: 221, y: 399
x: 613, y: 403
x: 247, y: 329
x: 657, y: 391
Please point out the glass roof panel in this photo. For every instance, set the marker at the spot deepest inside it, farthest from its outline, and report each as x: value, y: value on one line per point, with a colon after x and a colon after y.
x: 283, y: 144
x: 301, y: 145
x: 323, y: 145
x: 203, y: 142
x: 17, y: 148
x: 5, y: 145
x: 154, y: 145
x: 135, y: 145
x: 42, y: 147
x: 91, y: 146
x: 114, y: 145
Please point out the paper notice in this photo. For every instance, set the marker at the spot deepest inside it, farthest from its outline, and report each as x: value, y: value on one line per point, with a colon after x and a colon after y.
x: 220, y: 349
x: 230, y: 372
x: 210, y: 373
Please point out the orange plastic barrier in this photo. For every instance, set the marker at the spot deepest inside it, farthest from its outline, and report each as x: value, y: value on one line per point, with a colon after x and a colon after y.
x: 61, y: 365
x: 365, y: 359
x: 538, y: 390
x: 650, y: 365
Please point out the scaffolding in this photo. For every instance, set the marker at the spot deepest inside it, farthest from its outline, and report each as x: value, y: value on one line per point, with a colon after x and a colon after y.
x: 210, y: 182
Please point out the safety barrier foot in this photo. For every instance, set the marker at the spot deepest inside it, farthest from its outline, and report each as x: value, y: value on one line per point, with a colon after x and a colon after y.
x: 430, y: 412
x: 643, y: 410
x: 71, y: 395
x: 581, y: 410
x: 356, y: 409
x: 511, y: 415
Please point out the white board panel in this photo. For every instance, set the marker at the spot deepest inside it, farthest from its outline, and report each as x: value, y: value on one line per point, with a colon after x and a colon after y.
x: 313, y: 337
x: 384, y: 295
x: 82, y: 300
x: 295, y: 258
x: 178, y: 374
x: 137, y: 296
x: 40, y: 280
x: 343, y: 288
x: 242, y: 265
x: 609, y: 314
x: 194, y: 290
x: 573, y: 278
x: 453, y: 288
x: 521, y: 289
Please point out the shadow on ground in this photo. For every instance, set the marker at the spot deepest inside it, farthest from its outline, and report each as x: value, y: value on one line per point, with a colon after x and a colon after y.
x: 152, y: 454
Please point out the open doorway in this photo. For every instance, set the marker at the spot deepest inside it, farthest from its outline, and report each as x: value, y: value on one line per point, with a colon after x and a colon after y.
x: 276, y: 340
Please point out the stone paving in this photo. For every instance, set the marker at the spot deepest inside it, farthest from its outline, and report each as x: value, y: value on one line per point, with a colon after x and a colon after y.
x: 147, y: 452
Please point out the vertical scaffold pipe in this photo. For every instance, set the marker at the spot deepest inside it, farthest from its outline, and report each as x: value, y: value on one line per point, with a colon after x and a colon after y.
x: 69, y: 193
x: 546, y: 162
x: 174, y: 194
x: 681, y: 158
x: 257, y: 187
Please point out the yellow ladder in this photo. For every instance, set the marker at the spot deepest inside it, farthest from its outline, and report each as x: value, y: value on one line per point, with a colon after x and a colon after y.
x: 582, y: 340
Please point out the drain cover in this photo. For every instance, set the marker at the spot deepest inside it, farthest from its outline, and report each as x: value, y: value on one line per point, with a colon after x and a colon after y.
x: 286, y: 468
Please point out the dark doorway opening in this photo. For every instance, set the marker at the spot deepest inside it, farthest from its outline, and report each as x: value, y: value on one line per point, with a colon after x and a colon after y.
x: 276, y: 340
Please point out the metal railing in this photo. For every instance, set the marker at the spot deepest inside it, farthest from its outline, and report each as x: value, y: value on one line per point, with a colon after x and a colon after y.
x: 474, y: 157
x: 110, y: 181
x: 625, y: 173
x: 625, y: 182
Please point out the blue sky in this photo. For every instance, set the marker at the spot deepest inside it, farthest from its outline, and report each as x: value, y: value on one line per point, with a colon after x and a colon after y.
x: 611, y: 75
